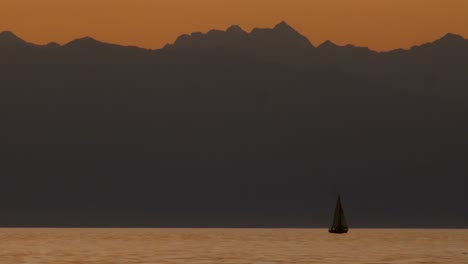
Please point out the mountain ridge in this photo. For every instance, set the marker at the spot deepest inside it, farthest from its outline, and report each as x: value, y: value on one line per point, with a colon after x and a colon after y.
x: 237, y: 30
x: 262, y: 132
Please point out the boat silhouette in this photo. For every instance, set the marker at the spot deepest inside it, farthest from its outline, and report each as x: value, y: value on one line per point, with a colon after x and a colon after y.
x: 340, y: 226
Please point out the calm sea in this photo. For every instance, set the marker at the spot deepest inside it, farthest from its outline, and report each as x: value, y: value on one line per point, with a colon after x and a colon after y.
x: 259, y: 246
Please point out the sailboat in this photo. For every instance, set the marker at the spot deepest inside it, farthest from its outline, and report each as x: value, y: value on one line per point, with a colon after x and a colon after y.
x: 339, y: 221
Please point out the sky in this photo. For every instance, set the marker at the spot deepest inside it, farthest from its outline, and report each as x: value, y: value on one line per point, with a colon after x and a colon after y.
x: 378, y: 24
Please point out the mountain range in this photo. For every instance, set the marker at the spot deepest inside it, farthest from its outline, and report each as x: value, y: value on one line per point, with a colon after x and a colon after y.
x: 262, y: 127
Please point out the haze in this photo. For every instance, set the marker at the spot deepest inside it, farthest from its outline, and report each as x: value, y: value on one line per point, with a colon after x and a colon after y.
x: 377, y: 24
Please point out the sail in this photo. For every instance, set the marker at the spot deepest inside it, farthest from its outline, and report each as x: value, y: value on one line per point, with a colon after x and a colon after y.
x: 339, y: 219
x: 343, y: 218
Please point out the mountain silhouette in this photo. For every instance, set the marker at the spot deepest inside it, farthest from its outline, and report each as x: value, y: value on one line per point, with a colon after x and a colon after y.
x: 262, y: 127
x: 86, y: 42
x: 449, y: 41
x: 281, y: 36
x: 9, y: 38
x: 328, y: 45
x: 9, y: 43
x: 213, y: 39
x: 279, y: 44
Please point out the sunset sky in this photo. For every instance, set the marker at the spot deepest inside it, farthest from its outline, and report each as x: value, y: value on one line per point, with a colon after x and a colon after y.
x: 378, y: 24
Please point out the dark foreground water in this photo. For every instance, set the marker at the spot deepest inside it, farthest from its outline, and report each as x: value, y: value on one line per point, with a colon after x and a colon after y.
x: 260, y: 246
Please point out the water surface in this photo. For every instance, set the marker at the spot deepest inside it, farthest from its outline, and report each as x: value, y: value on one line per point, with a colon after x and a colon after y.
x: 232, y: 246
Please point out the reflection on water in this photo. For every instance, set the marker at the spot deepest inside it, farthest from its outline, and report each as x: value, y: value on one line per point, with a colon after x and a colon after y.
x: 258, y: 246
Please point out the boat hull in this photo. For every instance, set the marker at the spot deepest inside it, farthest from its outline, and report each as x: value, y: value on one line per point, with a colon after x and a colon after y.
x: 338, y: 230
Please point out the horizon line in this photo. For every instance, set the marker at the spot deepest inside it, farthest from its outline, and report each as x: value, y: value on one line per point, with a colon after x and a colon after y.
x: 222, y: 227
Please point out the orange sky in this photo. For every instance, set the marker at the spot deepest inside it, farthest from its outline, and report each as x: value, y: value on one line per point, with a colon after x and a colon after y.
x: 378, y: 24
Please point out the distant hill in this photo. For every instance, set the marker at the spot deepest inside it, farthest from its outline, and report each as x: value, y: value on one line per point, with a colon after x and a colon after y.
x: 262, y: 127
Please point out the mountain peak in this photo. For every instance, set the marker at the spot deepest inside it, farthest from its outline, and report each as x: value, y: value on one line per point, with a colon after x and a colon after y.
x: 281, y: 35
x: 7, y: 34
x: 8, y: 37
x: 235, y: 29
x: 327, y: 44
x: 452, y: 37
x: 448, y: 41
x: 283, y: 26
x: 85, y: 41
x: 52, y: 45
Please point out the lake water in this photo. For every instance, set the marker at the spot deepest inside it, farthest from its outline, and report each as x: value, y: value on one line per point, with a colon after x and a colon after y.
x: 259, y: 246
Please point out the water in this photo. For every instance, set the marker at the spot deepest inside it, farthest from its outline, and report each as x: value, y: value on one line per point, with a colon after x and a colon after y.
x: 231, y: 246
